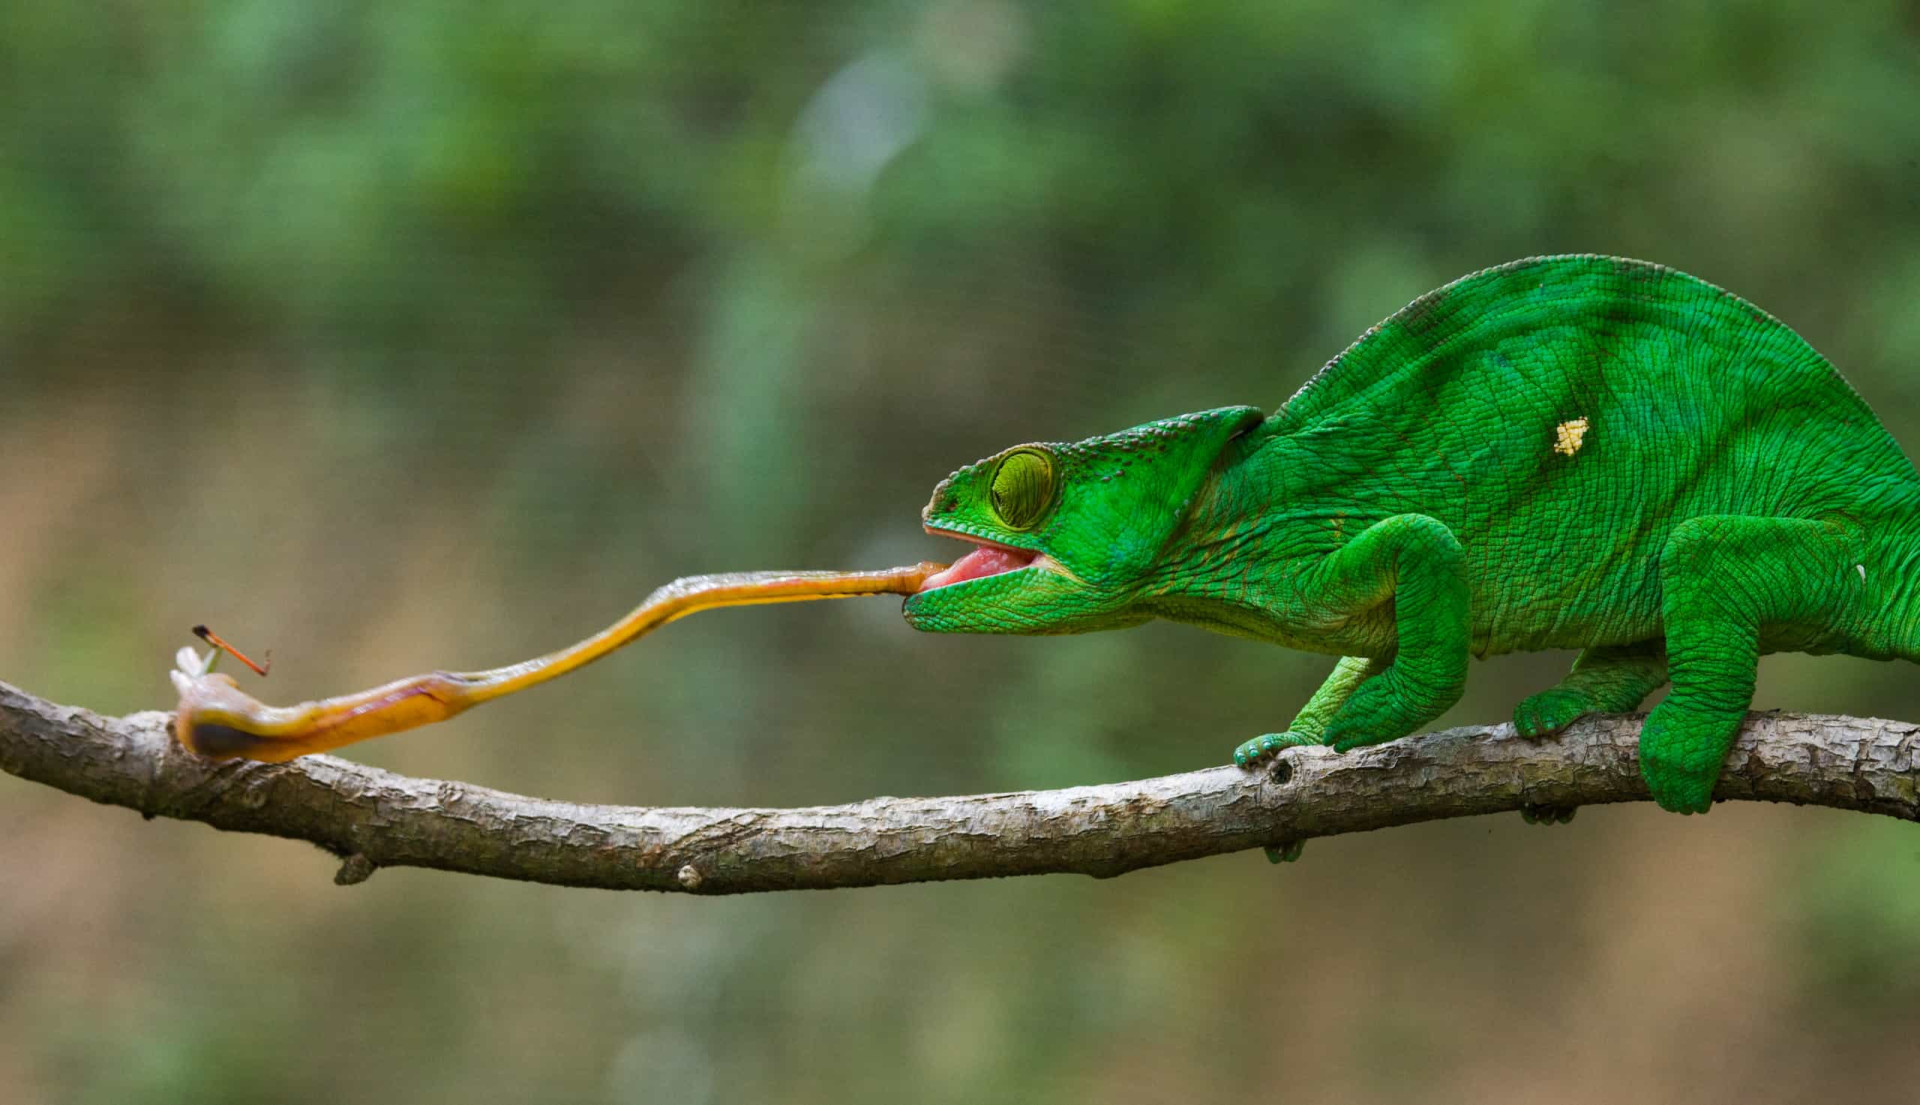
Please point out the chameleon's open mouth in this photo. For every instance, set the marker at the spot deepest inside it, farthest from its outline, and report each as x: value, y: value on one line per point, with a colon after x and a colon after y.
x: 987, y: 559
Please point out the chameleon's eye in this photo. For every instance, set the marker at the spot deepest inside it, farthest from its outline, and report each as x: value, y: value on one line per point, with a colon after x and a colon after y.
x: 1022, y: 487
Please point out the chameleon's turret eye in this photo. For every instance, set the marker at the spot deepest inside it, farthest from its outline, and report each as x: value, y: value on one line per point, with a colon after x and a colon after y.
x: 1023, y: 487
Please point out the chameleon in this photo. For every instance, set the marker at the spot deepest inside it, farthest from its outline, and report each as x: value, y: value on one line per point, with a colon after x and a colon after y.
x: 1563, y: 452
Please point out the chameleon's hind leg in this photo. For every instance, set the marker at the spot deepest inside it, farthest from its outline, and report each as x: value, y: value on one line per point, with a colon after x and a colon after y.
x: 1728, y: 582
x: 1310, y: 724
x: 1605, y: 680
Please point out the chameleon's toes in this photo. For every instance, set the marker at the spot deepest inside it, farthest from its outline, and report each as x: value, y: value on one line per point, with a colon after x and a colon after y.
x: 1679, y: 776
x: 1259, y: 748
x: 1681, y: 751
x: 1286, y: 851
x: 1679, y: 793
x: 1549, y: 712
x: 1539, y: 813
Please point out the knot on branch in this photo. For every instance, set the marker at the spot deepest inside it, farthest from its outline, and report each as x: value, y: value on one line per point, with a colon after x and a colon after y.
x: 354, y: 870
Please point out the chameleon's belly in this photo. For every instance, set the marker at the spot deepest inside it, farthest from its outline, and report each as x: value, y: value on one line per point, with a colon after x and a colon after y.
x: 1591, y: 595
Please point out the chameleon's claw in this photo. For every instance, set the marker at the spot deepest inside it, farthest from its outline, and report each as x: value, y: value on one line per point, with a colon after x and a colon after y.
x: 1537, y: 813
x: 1549, y: 713
x: 1252, y: 751
x: 1286, y: 851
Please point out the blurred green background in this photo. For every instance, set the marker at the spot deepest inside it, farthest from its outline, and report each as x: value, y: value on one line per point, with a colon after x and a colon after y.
x: 392, y: 336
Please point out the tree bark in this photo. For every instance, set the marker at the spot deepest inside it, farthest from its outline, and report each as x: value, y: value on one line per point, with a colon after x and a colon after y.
x: 373, y: 818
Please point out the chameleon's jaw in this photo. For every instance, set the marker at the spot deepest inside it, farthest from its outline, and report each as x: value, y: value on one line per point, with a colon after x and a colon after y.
x: 989, y: 558
x: 998, y: 588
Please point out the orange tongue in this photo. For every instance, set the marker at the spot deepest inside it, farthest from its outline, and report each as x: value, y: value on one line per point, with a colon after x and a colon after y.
x: 983, y: 561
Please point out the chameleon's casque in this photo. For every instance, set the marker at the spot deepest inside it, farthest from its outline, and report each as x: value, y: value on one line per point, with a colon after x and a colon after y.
x: 1563, y: 452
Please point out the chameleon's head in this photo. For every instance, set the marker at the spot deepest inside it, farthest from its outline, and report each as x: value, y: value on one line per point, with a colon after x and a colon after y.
x: 1068, y: 534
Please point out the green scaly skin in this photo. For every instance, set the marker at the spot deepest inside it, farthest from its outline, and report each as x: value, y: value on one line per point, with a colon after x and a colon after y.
x: 1561, y: 452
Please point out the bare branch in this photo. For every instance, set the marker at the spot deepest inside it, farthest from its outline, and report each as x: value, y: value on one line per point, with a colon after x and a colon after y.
x: 373, y: 818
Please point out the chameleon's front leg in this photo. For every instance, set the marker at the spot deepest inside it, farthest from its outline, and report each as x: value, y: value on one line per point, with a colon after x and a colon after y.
x: 1415, y: 562
x: 1309, y: 727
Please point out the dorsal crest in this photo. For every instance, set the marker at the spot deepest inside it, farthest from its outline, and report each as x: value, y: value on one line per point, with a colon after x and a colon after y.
x: 1520, y: 302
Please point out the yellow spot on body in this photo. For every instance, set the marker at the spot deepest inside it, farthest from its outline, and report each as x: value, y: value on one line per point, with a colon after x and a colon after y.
x: 1567, y: 436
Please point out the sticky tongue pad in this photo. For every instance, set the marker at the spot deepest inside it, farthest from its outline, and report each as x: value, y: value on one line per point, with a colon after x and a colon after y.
x: 983, y: 561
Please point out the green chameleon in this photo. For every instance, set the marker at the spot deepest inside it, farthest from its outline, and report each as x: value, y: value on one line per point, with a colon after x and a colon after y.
x: 1577, y: 452
x: 1562, y: 452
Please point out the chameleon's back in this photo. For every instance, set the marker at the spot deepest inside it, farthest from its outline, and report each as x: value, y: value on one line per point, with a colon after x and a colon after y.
x: 1561, y: 415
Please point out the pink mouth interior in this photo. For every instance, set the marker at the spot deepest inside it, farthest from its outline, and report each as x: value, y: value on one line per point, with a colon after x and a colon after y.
x: 987, y: 560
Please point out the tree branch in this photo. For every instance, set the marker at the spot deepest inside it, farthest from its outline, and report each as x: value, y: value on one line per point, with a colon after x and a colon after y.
x: 373, y: 818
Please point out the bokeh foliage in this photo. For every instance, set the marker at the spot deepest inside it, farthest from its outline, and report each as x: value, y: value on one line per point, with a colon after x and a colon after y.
x: 394, y: 336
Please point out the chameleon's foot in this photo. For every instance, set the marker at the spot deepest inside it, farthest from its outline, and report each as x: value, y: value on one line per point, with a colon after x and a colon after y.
x: 1680, y: 794
x: 1680, y: 766
x: 1388, y: 706
x: 1285, y: 852
x: 1259, y: 748
x: 1550, y: 711
x: 1540, y: 814
x: 1681, y: 751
